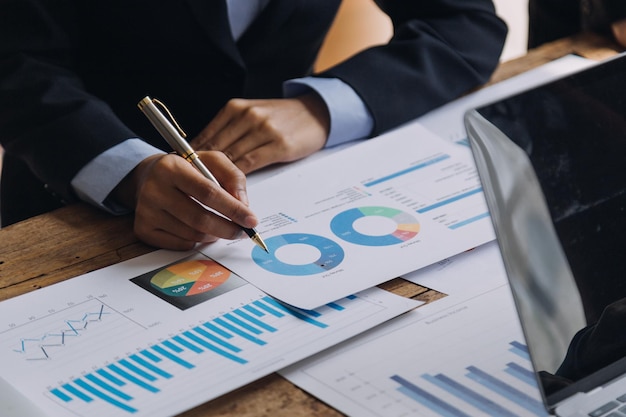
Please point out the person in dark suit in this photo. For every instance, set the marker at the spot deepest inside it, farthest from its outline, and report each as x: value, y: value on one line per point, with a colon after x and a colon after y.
x: 549, y: 20
x: 72, y: 72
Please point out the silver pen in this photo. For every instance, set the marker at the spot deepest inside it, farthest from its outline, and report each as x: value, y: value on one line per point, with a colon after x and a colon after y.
x: 175, y: 136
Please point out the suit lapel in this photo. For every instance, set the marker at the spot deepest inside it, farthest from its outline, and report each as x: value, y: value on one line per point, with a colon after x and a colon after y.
x: 271, y: 19
x: 213, y: 18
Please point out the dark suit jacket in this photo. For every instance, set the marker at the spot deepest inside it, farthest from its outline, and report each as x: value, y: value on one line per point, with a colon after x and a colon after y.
x: 72, y: 72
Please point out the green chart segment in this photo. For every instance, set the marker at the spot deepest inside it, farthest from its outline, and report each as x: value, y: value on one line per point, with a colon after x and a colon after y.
x: 190, y: 278
x: 407, y: 226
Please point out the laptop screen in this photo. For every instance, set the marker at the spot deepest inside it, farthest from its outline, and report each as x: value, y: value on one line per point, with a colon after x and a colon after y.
x: 553, y: 165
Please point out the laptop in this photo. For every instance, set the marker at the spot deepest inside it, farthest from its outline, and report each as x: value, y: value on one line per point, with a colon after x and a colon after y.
x: 552, y: 161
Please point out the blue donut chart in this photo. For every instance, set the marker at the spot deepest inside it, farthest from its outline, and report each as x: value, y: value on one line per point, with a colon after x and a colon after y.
x: 342, y: 225
x: 331, y: 254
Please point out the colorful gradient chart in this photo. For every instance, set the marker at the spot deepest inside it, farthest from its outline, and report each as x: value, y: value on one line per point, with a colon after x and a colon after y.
x: 330, y: 255
x: 190, y: 278
x: 407, y: 226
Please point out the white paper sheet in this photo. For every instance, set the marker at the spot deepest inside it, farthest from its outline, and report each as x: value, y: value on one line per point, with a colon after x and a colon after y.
x: 141, y: 339
x: 360, y: 217
x: 463, y: 355
x: 466, y: 273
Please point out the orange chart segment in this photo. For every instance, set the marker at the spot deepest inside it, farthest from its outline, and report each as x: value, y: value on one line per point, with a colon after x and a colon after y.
x: 190, y: 278
x: 406, y: 232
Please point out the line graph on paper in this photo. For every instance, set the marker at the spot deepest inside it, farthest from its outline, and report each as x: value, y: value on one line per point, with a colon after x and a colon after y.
x: 58, y: 335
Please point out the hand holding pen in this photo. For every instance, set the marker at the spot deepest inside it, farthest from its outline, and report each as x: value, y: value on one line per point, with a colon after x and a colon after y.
x: 216, y: 198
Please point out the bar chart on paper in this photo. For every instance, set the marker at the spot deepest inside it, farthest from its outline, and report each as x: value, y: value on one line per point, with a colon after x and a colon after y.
x: 234, y: 338
x: 467, y: 360
x: 454, y: 392
x: 96, y: 356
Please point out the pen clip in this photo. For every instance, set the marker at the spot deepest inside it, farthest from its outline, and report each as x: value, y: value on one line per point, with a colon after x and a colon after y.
x: 170, y: 116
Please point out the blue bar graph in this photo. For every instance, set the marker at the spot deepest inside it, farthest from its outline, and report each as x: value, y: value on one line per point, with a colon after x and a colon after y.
x: 463, y: 142
x: 427, y: 399
x: 269, y: 309
x: 407, y: 170
x: 187, y: 344
x: 214, y: 348
x: 506, y: 390
x: 172, y: 346
x: 472, y: 397
x: 174, y: 358
x: 219, y: 331
x: 488, y: 392
x: 110, y: 377
x: 77, y: 393
x: 224, y: 336
x: 210, y: 336
x: 131, y: 367
x: 131, y: 378
x: 238, y: 331
x: 335, y: 306
x: 254, y: 321
x: 521, y: 373
x: 450, y: 200
x: 150, y: 367
x: 61, y: 395
x: 242, y: 323
x: 253, y: 310
x: 294, y: 312
x: 99, y: 394
x: 151, y: 356
x: 520, y: 350
x: 468, y: 221
x: 110, y: 388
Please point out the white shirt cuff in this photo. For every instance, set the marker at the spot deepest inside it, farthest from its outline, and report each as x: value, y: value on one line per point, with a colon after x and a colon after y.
x: 349, y: 117
x: 95, y: 181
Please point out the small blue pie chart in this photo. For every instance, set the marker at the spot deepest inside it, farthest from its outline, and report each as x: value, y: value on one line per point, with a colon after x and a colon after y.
x: 330, y: 254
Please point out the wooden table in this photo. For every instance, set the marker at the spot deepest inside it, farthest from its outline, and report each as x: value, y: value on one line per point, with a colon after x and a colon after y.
x: 78, y: 239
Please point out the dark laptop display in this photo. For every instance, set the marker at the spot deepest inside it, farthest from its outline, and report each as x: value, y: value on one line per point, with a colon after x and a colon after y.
x: 553, y: 165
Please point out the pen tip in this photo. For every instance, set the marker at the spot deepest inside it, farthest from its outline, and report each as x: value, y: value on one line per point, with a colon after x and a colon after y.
x: 264, y: 247
x: 257, y: 239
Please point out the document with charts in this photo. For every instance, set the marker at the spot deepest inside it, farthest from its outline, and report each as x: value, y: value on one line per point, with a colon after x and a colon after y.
x: 459, y: 356
x: 359, y: 217
x: 162, y: 333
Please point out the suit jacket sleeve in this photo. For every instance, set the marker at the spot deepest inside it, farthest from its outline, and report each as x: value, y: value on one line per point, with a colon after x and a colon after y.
x: 440, y: 49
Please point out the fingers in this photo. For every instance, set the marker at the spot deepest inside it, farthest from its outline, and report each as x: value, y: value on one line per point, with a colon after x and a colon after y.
x: 171, y: 233
x: 257, y: 133
x: 230, y: 199
x: 231, y: 178
x: 225, y: 128
x: 239, y: 129
x: 171, y: 210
